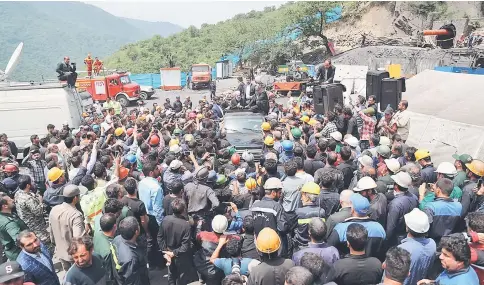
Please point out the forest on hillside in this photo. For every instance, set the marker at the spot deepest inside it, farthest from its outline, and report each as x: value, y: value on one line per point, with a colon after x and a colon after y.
x: 267, y: 36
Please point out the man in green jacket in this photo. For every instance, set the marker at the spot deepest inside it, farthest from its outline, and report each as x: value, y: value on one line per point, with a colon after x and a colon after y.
x: 103, y: 238
x: 460, y: 165
x: 444, y: 170
x: 10, y: 226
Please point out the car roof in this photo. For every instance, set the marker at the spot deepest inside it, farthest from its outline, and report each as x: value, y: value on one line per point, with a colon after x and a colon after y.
x: 243, y: 114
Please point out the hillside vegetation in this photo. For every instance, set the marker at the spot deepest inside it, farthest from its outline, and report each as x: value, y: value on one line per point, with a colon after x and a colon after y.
x: 292, y: 31
x: 239, y: 35
x: 52, y: 30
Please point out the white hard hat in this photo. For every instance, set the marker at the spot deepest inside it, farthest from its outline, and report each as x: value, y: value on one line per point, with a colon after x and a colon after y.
x: 403, y: 179
x: 219, y: 224
x: 237, y: 93
x: 393, y: 164
x: 446, y: 168
x: 258, y: 79
x: 365, y: 160
x: 352, y: 141
x: 365, y: 183
x: 273, y: 183
x: 417, y: 221
x: 175, y: 148
x: 385, y: 141
x: 247, y: 156
x: 336, y: 135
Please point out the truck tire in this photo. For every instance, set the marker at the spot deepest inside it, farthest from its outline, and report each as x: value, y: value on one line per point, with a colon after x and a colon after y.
x: 123, y: 100
x: 143, y: 95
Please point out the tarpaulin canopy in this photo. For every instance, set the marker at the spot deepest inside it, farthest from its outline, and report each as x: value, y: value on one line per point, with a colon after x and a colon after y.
x: 447, y: 113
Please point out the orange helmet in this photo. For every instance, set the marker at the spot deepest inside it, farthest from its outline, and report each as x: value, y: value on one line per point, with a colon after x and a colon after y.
x: 235, y: 159
x: 154, y: 140
x: 129, y: 131
x: 250, y: 184
x: 10, y: 167
x: 123, y: 173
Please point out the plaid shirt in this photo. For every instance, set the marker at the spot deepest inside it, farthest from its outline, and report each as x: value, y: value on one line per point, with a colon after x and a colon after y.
x: 328, y: 129
x: 37, y: 168
x: 368, y: 126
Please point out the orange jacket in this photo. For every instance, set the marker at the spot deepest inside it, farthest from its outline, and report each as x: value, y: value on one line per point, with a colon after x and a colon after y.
x: 88, y: 61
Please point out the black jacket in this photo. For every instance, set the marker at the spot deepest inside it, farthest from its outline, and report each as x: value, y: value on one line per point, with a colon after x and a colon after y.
x: 63, y: 68
x: 323, y: 77
x: 397, y: 208
x: 131, y: 263
x: 178, y: 106
x: 174, y: 235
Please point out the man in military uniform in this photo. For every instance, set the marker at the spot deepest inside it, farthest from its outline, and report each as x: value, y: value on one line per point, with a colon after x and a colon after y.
x: 30, y: 209
x: 10, y: 226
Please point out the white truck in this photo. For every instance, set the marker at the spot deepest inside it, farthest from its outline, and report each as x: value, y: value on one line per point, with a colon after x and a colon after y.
x: 26, y: 108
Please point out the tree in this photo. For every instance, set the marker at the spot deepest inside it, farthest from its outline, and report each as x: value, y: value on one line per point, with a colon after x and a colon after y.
x: 309, y: 18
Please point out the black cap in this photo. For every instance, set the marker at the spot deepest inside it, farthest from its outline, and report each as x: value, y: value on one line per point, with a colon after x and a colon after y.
x: 10, y: 270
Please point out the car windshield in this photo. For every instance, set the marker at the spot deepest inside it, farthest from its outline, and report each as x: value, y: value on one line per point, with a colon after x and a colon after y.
x: 200, y: 68
x: 239, y: 125
x: 125, y: 79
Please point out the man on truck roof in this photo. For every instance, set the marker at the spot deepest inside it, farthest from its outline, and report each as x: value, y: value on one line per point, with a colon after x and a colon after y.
x: 67, y: 72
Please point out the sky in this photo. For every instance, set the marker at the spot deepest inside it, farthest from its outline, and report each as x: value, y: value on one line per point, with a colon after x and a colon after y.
x: 183, y: 13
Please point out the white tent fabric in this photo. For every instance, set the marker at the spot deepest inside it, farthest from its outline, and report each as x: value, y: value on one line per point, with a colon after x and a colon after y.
x: 447, y: 113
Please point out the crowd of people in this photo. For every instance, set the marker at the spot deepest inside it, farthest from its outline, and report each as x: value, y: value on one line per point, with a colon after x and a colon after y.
x: 336, y: 198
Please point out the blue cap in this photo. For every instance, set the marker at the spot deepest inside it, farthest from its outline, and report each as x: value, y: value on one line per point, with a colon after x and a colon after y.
x: 10, y: 184
x: 361, y: 205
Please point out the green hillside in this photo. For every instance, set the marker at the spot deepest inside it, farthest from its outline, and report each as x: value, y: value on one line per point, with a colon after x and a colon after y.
x: 208, y: 43
x: 51, y: 30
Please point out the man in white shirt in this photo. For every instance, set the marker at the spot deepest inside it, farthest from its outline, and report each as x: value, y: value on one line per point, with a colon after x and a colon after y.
x: 402, y: 119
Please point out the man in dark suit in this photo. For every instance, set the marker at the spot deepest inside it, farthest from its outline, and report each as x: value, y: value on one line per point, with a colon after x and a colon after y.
x: 326, y: 72
x: 35, y: 260
x: 67, y: 72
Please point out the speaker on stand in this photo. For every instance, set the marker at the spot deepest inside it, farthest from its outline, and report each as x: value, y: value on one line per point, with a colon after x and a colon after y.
x: 326, y: 96
x: 373, y: 83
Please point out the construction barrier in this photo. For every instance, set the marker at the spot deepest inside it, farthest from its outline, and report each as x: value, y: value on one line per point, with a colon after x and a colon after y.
x: 154, y: 79
x: 457, y: 69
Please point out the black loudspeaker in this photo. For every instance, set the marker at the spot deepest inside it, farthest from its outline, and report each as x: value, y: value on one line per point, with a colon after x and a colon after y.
x: 373, y: 83
x: 325, y: 97
x: 391, y: 93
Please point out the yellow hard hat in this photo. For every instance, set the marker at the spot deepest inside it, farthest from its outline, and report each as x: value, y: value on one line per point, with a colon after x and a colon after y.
x: 311, y: 188
x: 266, y: 126
x: 54, y: 174
x: 84, y: 115
x: 173, y: 142
x: 250, y: 184
x: 118, y: 132
x: 268, y: 241
x: 305, y: 119
x: 421, y: 154
x: 312, y: 122
x: 200, y: 116
x: 269, y: 141
x: 476, y: 166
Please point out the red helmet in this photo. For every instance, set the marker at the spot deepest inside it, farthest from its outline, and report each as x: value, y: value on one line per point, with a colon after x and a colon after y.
x: 9, y: 168
x: 129, y: 131
x: 235, y: 159
x: 192, y: 115
x: 154, y: 140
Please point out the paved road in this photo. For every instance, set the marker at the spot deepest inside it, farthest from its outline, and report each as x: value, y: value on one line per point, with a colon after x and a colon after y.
x: 195, y: 95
